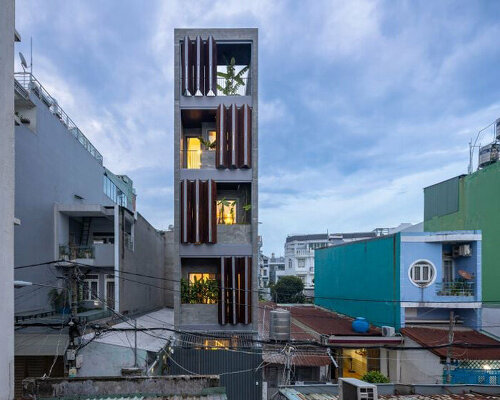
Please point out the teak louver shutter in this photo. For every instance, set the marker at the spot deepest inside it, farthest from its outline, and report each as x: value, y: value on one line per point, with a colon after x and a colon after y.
x: 198, y: 211
x: 235, y: 297
x: 245, y: 137
x: 187, y: 66
x: 199, y: 67
x: 210, y: 67
x: 221, y: 153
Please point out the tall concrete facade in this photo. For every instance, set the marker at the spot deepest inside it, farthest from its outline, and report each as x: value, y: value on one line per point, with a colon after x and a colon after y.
x: 215, y: 164
x: 216, y: 205
x: 7, y: 37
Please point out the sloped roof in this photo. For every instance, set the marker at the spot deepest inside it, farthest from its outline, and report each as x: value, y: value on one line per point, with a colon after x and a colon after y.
x: 435, y: 337
x: 150, y: 341
x: 300, y: 238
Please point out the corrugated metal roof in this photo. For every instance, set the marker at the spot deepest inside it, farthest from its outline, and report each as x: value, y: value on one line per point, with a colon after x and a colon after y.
x: 41, y: 344
x: 435, y: 337
x: 299, y: 359
x: 300, y: 238
x: 326, y: 393
x: 150, y: 341
x: 218, y: 396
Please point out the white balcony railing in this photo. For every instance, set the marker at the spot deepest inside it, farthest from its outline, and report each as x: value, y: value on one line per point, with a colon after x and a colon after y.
x: 457, y: 288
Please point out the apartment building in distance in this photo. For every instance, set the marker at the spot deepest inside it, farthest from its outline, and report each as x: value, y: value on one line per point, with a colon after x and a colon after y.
x: 215, y: 201
x: 71, y: 210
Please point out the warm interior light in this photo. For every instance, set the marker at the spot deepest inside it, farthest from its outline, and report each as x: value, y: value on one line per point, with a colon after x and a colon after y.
x: 486, y: 366
x: 226, y: 212
x: 193, y: 156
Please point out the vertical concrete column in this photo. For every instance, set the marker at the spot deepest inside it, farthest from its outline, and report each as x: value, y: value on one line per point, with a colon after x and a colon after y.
x: 383, y: 362
x: 7, y: 177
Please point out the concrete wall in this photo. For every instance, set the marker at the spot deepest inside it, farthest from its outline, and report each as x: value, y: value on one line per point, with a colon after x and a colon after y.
x: 7, y: 198
x: 161, y: 385
x: 170, y: 285
x: 248, y: 35
x: 479, y: 208
x: 234, y: 234
x: 51, y: 168
x: 419, y: 366
x: 360, y: 270
x: 147, y: 258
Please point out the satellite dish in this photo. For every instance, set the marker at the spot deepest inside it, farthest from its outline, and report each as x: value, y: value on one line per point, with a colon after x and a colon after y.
x: 24, y: 64
x: 464, y: 274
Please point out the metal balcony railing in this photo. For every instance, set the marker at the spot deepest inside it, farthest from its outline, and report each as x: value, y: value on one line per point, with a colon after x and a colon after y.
x: 73, y: 252
x: 456, y: 288
x: 28, y: 82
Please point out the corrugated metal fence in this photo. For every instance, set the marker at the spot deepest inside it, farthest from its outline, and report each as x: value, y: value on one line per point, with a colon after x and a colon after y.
x: 236, y: 367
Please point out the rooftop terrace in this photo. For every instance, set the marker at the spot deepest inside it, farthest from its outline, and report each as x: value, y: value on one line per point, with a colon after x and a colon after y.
x: 26, y: 81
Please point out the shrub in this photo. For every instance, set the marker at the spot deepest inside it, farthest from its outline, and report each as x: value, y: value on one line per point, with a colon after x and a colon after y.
x: 375, y: 377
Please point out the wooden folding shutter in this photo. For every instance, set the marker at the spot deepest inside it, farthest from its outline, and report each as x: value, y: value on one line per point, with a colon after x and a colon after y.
x: 210, y: 67
x: 187, y: 217
x: 212, y: 212
x: 187, y: 66
x: 203, y: 211
x: 199, y: 67
x: 221, y: 153
x: 235, y: 297
x: 245, y: 137
x: 248, y: 292
x: 233, y: 129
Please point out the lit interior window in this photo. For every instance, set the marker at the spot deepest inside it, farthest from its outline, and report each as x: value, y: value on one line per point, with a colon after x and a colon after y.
x: 200, y: 276
x: 193, y: 153
x: 226, y: 212
x: 215, y: 344
x: 212, y: 135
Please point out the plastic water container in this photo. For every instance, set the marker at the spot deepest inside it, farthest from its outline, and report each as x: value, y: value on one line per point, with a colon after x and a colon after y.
x: 360, y: 325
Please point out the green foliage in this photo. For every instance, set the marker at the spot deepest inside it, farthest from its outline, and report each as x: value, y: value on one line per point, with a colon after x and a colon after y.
x: 58, y: 300
x: 375, y: 377
x: 233, y: 80
x: 207, y: 143
x: 201, y: 291
x: 288, y: 290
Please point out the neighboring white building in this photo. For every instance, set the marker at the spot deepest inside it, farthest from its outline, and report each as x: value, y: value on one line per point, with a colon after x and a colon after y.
x: 299, y: 251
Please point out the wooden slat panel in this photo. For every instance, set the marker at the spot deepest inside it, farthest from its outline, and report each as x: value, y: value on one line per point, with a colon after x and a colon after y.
x: 249, y: 291
x: 221, y: 279
x: 233, y: 136
x: 241, y: 289
x: 203, y: 212
x: 212, y: 212
x: 221, y: 153
x: 199, y: 67
x: 245, y: 137
x: 210, y: 67
x: 187, y: 66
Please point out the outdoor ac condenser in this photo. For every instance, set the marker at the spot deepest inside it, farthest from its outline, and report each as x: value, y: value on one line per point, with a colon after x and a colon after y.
x: 354, y: 389
x: 388, y: 331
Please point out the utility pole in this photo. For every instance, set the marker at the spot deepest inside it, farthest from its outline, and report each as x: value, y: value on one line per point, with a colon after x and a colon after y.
x: 135, y: 343
x: 449, y: 348
x: 72, y: 277
x: 288, y: 364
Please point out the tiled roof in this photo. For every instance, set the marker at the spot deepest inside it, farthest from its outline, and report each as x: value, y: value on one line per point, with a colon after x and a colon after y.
x: 300, y: 359
x: 300, y: 238
x: 293, y: 394
x: 327, y: 322
x: 435, y: 337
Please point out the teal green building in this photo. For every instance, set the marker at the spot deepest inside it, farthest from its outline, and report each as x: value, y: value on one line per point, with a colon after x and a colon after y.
x: 405, y: 278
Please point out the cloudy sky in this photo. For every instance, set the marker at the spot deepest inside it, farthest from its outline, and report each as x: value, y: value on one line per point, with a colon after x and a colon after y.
x: 362, y: 103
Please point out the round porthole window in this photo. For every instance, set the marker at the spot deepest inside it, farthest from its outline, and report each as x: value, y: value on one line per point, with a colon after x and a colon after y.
x: 422, y: 273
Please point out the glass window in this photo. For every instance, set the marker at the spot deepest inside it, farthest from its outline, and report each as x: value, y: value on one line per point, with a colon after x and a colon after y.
x: 448, y: 270
x: 193, y: 153
x: 89, y: 289
x: 212, y: 137
x: 422, y: 273
x: 200, y: 276
x: 226, y: 212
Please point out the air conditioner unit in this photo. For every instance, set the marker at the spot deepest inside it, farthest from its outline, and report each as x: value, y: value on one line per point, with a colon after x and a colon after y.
x: 354, y: 389
x: 463, y: 250
x: 388, y: 331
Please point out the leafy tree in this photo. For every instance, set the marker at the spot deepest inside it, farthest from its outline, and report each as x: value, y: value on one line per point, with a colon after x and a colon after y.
x: 375, y: 377
x: 288, y: 290
x: 233, y: 80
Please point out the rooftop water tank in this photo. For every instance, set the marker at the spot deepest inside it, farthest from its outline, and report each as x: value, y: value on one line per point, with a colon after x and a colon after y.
x: 488, y: 154
x: 497, y: 128
x: 360, y: 325
x: 279, y: 327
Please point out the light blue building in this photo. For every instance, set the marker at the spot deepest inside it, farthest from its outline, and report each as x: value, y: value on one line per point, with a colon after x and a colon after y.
x: 404, y: 279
